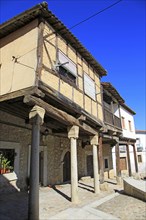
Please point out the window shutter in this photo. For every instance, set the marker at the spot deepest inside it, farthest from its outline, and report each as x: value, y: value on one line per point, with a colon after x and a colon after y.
x: 89, y: 86
x: 70, y: 66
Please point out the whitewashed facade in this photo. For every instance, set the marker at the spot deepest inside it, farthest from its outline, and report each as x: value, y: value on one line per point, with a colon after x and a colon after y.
x: 128, y: 138
x: 141, y: 150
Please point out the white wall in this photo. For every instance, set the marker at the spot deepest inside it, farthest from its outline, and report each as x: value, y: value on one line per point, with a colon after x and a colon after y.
x: 128, y: 117
x: 116, y: 110
x: 142, y: 139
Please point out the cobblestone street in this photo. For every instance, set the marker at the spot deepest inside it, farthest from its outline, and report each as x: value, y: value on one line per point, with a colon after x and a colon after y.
x: 125, y: 208
x: 55, y: 203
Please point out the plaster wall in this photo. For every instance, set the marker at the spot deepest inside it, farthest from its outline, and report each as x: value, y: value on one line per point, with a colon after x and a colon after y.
x: 128, y: 117
x: 52, y: 44
x: 19, y: 59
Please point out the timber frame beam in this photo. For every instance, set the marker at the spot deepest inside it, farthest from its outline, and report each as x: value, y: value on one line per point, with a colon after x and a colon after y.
x: 23, y: 92
x: 59, y: 115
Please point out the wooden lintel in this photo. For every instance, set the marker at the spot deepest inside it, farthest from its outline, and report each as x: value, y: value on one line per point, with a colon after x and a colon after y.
x: 23, y: 92
x: 57, y: 114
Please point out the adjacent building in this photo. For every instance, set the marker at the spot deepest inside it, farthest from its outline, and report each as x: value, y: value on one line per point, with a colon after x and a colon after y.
x: 141, y: 150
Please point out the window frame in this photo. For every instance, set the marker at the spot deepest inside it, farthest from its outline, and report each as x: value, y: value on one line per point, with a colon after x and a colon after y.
x: 16, y: 147
x: 89, y: 82
x: 123, y: 122
x: 129, y: 125
x: 139, y: 158
x: 106, y: 168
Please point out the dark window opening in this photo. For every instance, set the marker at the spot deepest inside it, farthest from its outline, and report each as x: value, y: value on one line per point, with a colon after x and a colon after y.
x: 139, y: 157
x: 106, y: 164
x: 7, y: 157
x: 67, y: 76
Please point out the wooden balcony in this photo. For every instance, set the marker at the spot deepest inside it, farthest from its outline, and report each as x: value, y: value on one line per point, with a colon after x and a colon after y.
x: 112, y: 119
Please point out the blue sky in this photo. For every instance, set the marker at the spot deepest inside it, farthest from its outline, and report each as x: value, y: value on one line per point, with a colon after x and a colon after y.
x: 115, y: 37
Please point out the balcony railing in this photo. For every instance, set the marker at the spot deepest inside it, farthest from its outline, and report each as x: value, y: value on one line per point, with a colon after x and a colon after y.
x: 112, y: 119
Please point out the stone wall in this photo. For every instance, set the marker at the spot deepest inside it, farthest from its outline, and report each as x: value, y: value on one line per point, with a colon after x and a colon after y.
x: 14, y: 130
x: 56, y: 148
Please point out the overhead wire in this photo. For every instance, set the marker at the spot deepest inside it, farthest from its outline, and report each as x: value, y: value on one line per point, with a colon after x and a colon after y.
x: 79, y: 23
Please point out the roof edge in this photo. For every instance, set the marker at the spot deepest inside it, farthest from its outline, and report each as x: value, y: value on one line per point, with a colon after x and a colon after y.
x: 42, y: 10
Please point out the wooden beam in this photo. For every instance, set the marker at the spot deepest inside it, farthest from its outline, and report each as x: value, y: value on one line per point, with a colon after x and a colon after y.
x: 59, y: 97
x: 117, y: 154
x: 40, y: 41
x: 128, y: 160
x: 135, y: 158
x: 101, y: 165
x: 22, y: 92
x: 57, y: 114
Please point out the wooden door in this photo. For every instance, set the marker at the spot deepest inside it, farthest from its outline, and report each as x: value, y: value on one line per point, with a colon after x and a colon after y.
x: 123, y: 163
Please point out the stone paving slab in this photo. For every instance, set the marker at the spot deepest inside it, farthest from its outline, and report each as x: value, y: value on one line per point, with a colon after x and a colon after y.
x: 81, y: 213
x: 124, y: 207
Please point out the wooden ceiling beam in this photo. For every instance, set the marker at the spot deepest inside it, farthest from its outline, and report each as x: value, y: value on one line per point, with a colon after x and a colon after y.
x: 58, y: 115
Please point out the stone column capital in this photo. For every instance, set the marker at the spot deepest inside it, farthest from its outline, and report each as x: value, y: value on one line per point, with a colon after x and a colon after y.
x: 94, y: 140
x: 116, y: 139
x: 73, y: 131
x: 36, y: 115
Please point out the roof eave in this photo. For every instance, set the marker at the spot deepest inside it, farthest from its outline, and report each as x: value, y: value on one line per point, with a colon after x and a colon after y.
x: 42, y: 10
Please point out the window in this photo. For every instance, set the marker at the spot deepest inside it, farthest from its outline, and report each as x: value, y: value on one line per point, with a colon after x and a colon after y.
x: 89, y: 86
x: 139, y: 158
x: 106, y: 163
x: 11, y: 153
x: 122, y: 149
x: 7, y: 157
x: 129, y: 123
x: 123, y: 123
x: 67, y: 69
x: 66, y: 75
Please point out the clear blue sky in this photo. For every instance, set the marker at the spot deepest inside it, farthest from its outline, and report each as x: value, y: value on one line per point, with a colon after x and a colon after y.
x: 115, y: 37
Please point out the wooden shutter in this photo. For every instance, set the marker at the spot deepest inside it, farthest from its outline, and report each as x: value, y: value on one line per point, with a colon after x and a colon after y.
x: 70, y: 66
x: 89, y: 86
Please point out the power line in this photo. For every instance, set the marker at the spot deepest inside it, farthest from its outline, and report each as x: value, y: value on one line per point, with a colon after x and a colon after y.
x: 110, y: 6
x: 79, y: 23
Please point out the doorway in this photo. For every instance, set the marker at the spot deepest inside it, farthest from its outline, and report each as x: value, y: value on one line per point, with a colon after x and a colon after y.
x: 66, y: 167
x: 42, y: 164
x: 41, y: 160
x: 90, y: 165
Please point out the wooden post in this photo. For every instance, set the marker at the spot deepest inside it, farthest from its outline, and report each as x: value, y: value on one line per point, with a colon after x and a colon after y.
x: 101, y: 167
x: 36, y: 117
x: 135, y: 158
x: 118, y: 168
x: 128, y: 160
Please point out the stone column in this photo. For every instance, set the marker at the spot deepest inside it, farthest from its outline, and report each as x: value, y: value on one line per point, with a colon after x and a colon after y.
x: 36, y: 117
x: 128, y: 160
x: 135, y: 158
x: 73, y: 133
x: 118, y: 168
x: 94, y: 143
x: 101, y: 167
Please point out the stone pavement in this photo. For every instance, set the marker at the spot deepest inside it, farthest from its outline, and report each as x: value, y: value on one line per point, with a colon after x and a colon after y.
x: 55, y: 204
